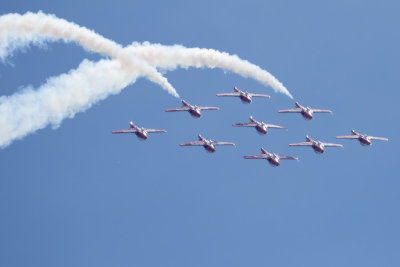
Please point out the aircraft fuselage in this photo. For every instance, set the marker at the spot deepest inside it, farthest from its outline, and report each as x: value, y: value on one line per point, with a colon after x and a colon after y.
x: 261, y: 129
x: 195, y: 112
x: 209, y: 148
x: 273, y: 162
x: 364, y: 141
x: 307, y: 114
x: 141, y: 134
x: 318, y: 148
x: 245, y: 98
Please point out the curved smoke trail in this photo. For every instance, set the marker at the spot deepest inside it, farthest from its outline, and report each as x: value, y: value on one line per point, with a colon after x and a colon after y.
x: 60, y: 97
x: 17, y: 31
x: 63, y: 96
x: 170, y: 57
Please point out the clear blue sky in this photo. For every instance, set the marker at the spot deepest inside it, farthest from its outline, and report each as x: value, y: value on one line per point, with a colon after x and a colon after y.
x: 80, y: 196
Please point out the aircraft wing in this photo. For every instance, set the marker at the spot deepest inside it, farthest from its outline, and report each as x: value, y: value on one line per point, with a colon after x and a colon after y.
x: 245, y: 124
x: 331, y: 144
x: 124, y: 131
x: 302, y: 144
x: 177, y: 109
x: 275, y: 126
x: 378, y: 138
x: 321, y: 111
x: 229, y: 94
x: 347, y: 137
x: 155, y: 131
x: 195, y: 143
x: 260, y: 95
x: 287, y: 157
x: 209, y: 108
x: 262, y: 156
x: 224, y: 144
x: 290, y: 110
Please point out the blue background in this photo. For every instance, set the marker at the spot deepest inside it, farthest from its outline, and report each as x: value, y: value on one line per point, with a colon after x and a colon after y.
x: 80, y: 196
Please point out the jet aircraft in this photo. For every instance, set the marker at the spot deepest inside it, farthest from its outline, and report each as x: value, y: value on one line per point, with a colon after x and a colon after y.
x: 209, y: 145
x: 364, y: 139
x: 246, y: 97
x: 261, y: 127
x: 306, y: 112
x: 139, y: 131
x: 272, y: 158
x: 318, y: 146
x: 194, y: 110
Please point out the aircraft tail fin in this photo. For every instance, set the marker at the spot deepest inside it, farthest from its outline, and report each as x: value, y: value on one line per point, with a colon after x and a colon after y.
x: 264, y: 151
x: 298, y: 105
x: 308, y: 138
x: 252, y: 119
x: 201, y: 138
x: 133, y: 126
x: 185, y: 103
x: 235, y: 89
x: 354, y: 132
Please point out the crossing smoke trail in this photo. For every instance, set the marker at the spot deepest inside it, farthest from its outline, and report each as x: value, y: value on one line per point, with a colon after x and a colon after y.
x: 17, y: 31
x: 63, y: 96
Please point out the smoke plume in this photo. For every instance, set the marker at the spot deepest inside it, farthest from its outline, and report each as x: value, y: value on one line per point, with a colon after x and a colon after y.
x: 170, y: 57
x: 60, y: 97
x: 67, y: 94
x: 18, y: 31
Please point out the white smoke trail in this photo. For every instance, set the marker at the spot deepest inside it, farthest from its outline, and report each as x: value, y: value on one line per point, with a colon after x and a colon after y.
x: 18, y: 31
x: 67, y: 94
x: 170, y: 57
x: 60, y: 97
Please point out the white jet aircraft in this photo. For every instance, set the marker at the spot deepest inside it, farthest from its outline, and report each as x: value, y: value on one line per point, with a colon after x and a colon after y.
x: 261, y: 127
x: 306, y: 112
x: 318, y: 146
x: 209, y: 145
x: 139, y: 131
x: 272, y: 158
x: 364, y: 139
x: 244, y: 96
x: 194, y: 110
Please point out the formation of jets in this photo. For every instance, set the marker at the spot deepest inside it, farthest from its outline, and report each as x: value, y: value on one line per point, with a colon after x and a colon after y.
x: 260, y: 126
